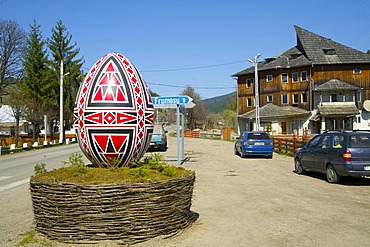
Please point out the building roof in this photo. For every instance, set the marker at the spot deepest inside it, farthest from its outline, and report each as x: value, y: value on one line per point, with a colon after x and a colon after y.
x: 311, y: 49
x: 273, y: 111
x: 335, y: 84
x: 6, y: 115
x: 321, y: 50
x: 338, y: 109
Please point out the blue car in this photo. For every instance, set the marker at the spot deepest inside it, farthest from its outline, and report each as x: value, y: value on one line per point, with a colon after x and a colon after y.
x: 336, y: 154
x: 159, y: 139
x: 256, y: 143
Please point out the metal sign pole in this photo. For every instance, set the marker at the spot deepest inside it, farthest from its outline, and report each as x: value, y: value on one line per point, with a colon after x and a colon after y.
x: 178, y: 133
x: 180, y: 103
x: 183, y: 136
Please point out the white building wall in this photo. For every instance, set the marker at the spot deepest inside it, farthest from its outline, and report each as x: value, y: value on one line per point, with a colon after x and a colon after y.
x: 362, y: 121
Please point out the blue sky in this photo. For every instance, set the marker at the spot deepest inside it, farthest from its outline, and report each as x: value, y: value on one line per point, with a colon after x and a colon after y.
x: 193, y: 42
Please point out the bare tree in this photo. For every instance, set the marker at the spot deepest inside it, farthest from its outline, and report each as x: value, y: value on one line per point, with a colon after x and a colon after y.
x: 18, y: 106
x: 230, y: 118
x: 195, y: 116
x: 212, y: 120
x: 33, y: 113
x: 12, y: 42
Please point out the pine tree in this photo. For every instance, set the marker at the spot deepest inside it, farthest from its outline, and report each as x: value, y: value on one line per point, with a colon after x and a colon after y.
x: 35, y: 85
x: 61, y: 49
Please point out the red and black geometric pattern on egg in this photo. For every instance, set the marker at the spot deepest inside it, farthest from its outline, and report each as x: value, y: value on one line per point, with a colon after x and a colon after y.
x: 110, y: 117
x: 111, y: 145
x: 113, y: 97
x: 110, y: 88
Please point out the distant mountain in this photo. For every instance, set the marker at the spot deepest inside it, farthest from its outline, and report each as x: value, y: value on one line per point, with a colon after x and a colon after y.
x: 220, y: 103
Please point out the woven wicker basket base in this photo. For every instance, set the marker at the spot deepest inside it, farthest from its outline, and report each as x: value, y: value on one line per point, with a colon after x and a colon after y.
x: 127, y: 213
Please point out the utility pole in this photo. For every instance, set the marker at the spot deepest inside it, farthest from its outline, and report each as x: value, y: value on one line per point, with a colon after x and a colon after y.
x: 256, y: 90
x: 61, y: 121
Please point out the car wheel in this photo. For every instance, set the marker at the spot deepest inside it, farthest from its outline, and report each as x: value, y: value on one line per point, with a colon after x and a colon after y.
x: 163, y: 147
x: 298, y: 167
x: 242, y: 154
x: 269, y: 156
x: 236, y: 151
x: 331, y: 175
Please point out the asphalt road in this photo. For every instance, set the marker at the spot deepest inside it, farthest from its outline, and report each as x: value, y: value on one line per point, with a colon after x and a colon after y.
x: 16, y: 169
x: 240, y: 202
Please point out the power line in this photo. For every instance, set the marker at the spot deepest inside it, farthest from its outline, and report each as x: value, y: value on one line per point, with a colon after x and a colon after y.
x: 188, y: 68
x: 167, y: 85
x: 192, y: 68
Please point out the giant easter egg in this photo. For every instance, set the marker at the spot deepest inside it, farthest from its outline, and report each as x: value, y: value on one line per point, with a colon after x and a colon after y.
x: 113, y: 114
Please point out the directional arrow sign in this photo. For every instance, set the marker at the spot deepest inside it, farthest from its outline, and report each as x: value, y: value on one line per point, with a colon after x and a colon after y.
x: 172, y: 100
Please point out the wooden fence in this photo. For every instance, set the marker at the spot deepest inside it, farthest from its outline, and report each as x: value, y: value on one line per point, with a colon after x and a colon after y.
x: 6, y: 140
x: 289, y: 144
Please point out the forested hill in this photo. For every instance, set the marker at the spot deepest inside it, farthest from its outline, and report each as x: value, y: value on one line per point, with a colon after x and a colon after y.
x: 220, y: 103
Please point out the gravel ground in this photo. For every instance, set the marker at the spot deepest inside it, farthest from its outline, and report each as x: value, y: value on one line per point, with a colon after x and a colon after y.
x: 240, y: 202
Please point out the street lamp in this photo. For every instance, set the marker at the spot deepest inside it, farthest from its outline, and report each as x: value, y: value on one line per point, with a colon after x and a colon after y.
x: 61, y: 121
x: 256, y: 95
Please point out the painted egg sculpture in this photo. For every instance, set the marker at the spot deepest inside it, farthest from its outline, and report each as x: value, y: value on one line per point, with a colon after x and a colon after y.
x: 113, y: 114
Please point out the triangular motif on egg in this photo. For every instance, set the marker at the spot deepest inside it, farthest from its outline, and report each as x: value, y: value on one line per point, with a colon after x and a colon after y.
x: 109, y: 88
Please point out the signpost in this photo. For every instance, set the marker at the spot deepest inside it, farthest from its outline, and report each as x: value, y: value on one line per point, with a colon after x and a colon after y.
x: 171, y: 100
x: 180, y: 103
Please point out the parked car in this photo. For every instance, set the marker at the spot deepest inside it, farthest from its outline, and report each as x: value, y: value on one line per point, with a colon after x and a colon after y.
x: 336, y: 154
x: 159, y: 138
x: 254, y: 143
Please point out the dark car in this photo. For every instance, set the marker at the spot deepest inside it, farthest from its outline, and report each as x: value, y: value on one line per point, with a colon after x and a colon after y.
x: 336, y: 154
x: 159, y: 139
x: 256, y: 143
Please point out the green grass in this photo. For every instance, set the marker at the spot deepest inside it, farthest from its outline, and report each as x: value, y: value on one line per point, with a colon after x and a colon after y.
x: 151, y: 169
x: 32, y: 238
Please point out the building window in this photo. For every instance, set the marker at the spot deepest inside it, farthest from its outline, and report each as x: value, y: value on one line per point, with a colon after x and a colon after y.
x: 357, y: 96
x: 304, y: 76
x: 269, y: 98
x: 295, y: 77
x: 249, y: 102
x: 248, y: 83
x: 284, y: 78
x: 295, y: 98
x: 304, y: 98
x: 284, y: 99
x: 269, y: 78
x: 357, y: 71
x: 333, y: 98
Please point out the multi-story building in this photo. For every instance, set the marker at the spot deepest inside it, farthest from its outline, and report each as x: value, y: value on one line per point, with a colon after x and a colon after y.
x: 317, y: 85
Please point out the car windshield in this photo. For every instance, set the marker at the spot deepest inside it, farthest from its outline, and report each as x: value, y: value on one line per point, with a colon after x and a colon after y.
x: 359, y: 141
x: 258, y: 136
x: 157, y: 129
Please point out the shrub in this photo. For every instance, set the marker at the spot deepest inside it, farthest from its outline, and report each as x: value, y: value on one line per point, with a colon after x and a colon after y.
x: 150, y: 169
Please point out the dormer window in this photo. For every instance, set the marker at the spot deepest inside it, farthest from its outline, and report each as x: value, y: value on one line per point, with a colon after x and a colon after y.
x: 270, y: 59
x: 295, y: 56
x: 357, y: 71
x: 329, y: 51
